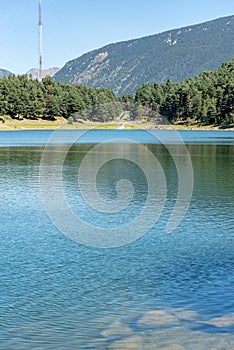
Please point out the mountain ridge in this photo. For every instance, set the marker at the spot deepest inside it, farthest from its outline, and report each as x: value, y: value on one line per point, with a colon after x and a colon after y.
x: 176, y: 54
x: 34, y: 72
x: 4, y: 73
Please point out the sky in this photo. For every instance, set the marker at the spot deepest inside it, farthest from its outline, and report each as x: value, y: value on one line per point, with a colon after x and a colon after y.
x: 74, y: 27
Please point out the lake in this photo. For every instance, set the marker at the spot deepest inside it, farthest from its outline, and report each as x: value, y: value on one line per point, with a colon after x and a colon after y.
x: 138, y: 290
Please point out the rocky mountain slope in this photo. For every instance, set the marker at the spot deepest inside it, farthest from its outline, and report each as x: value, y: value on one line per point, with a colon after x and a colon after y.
x: 34, y: 72
x: 176, y: 54
x: 4, y: 73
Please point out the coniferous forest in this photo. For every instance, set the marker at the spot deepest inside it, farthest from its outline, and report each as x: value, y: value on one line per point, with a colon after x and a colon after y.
x: 207, y: 99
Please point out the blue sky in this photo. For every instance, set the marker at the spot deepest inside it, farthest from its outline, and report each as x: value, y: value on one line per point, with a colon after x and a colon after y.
x: 73, y: 27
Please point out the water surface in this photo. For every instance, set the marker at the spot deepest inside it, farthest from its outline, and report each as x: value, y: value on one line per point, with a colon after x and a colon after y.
x: 58, y: 294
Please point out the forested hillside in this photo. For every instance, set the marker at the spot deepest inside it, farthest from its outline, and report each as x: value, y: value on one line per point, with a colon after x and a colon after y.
x: 22, y: 97
x: 207, y: 99
x: 176, y: 54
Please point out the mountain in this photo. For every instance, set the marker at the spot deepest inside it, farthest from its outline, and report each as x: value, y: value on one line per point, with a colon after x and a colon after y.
x: 4, y: 73
x: 34, y: 72
x: 176, y: 54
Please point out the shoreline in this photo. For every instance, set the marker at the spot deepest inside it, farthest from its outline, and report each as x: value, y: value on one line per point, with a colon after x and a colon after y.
x: 62, y: 123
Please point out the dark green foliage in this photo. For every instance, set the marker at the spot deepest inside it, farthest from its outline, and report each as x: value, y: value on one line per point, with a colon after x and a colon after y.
x: 175, y: 54
x: 21, y: 97
x: 208, y: 98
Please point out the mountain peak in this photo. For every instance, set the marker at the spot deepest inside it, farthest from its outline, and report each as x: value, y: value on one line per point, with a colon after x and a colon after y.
x: 4, y: 73
x: 34, y: 72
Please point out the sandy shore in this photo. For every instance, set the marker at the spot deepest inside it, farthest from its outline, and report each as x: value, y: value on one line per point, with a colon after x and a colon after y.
x: 62, y: 123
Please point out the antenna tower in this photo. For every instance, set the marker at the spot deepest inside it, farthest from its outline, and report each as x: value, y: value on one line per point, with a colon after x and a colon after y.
x: 40, y: 39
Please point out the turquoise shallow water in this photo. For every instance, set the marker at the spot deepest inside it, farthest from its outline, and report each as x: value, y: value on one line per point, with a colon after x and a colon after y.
x: 40, y: 137
x: 162, y: 291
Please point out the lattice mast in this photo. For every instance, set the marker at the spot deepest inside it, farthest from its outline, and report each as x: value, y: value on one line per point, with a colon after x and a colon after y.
x: 40, y: 38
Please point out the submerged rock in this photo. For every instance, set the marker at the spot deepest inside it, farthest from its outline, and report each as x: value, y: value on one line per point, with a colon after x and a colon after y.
x: 175, y: 347
x: 134, y: 342
x: 115, y: 329
x: 156, y: 318
x: 224, y: 321
x: 189, y: 315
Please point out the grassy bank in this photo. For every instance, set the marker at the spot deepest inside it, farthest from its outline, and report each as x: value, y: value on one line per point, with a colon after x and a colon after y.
x: 26, y: 124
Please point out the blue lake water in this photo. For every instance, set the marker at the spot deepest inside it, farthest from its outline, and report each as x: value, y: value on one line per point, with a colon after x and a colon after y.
x: 161, y: 291
x: 41, y: 137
